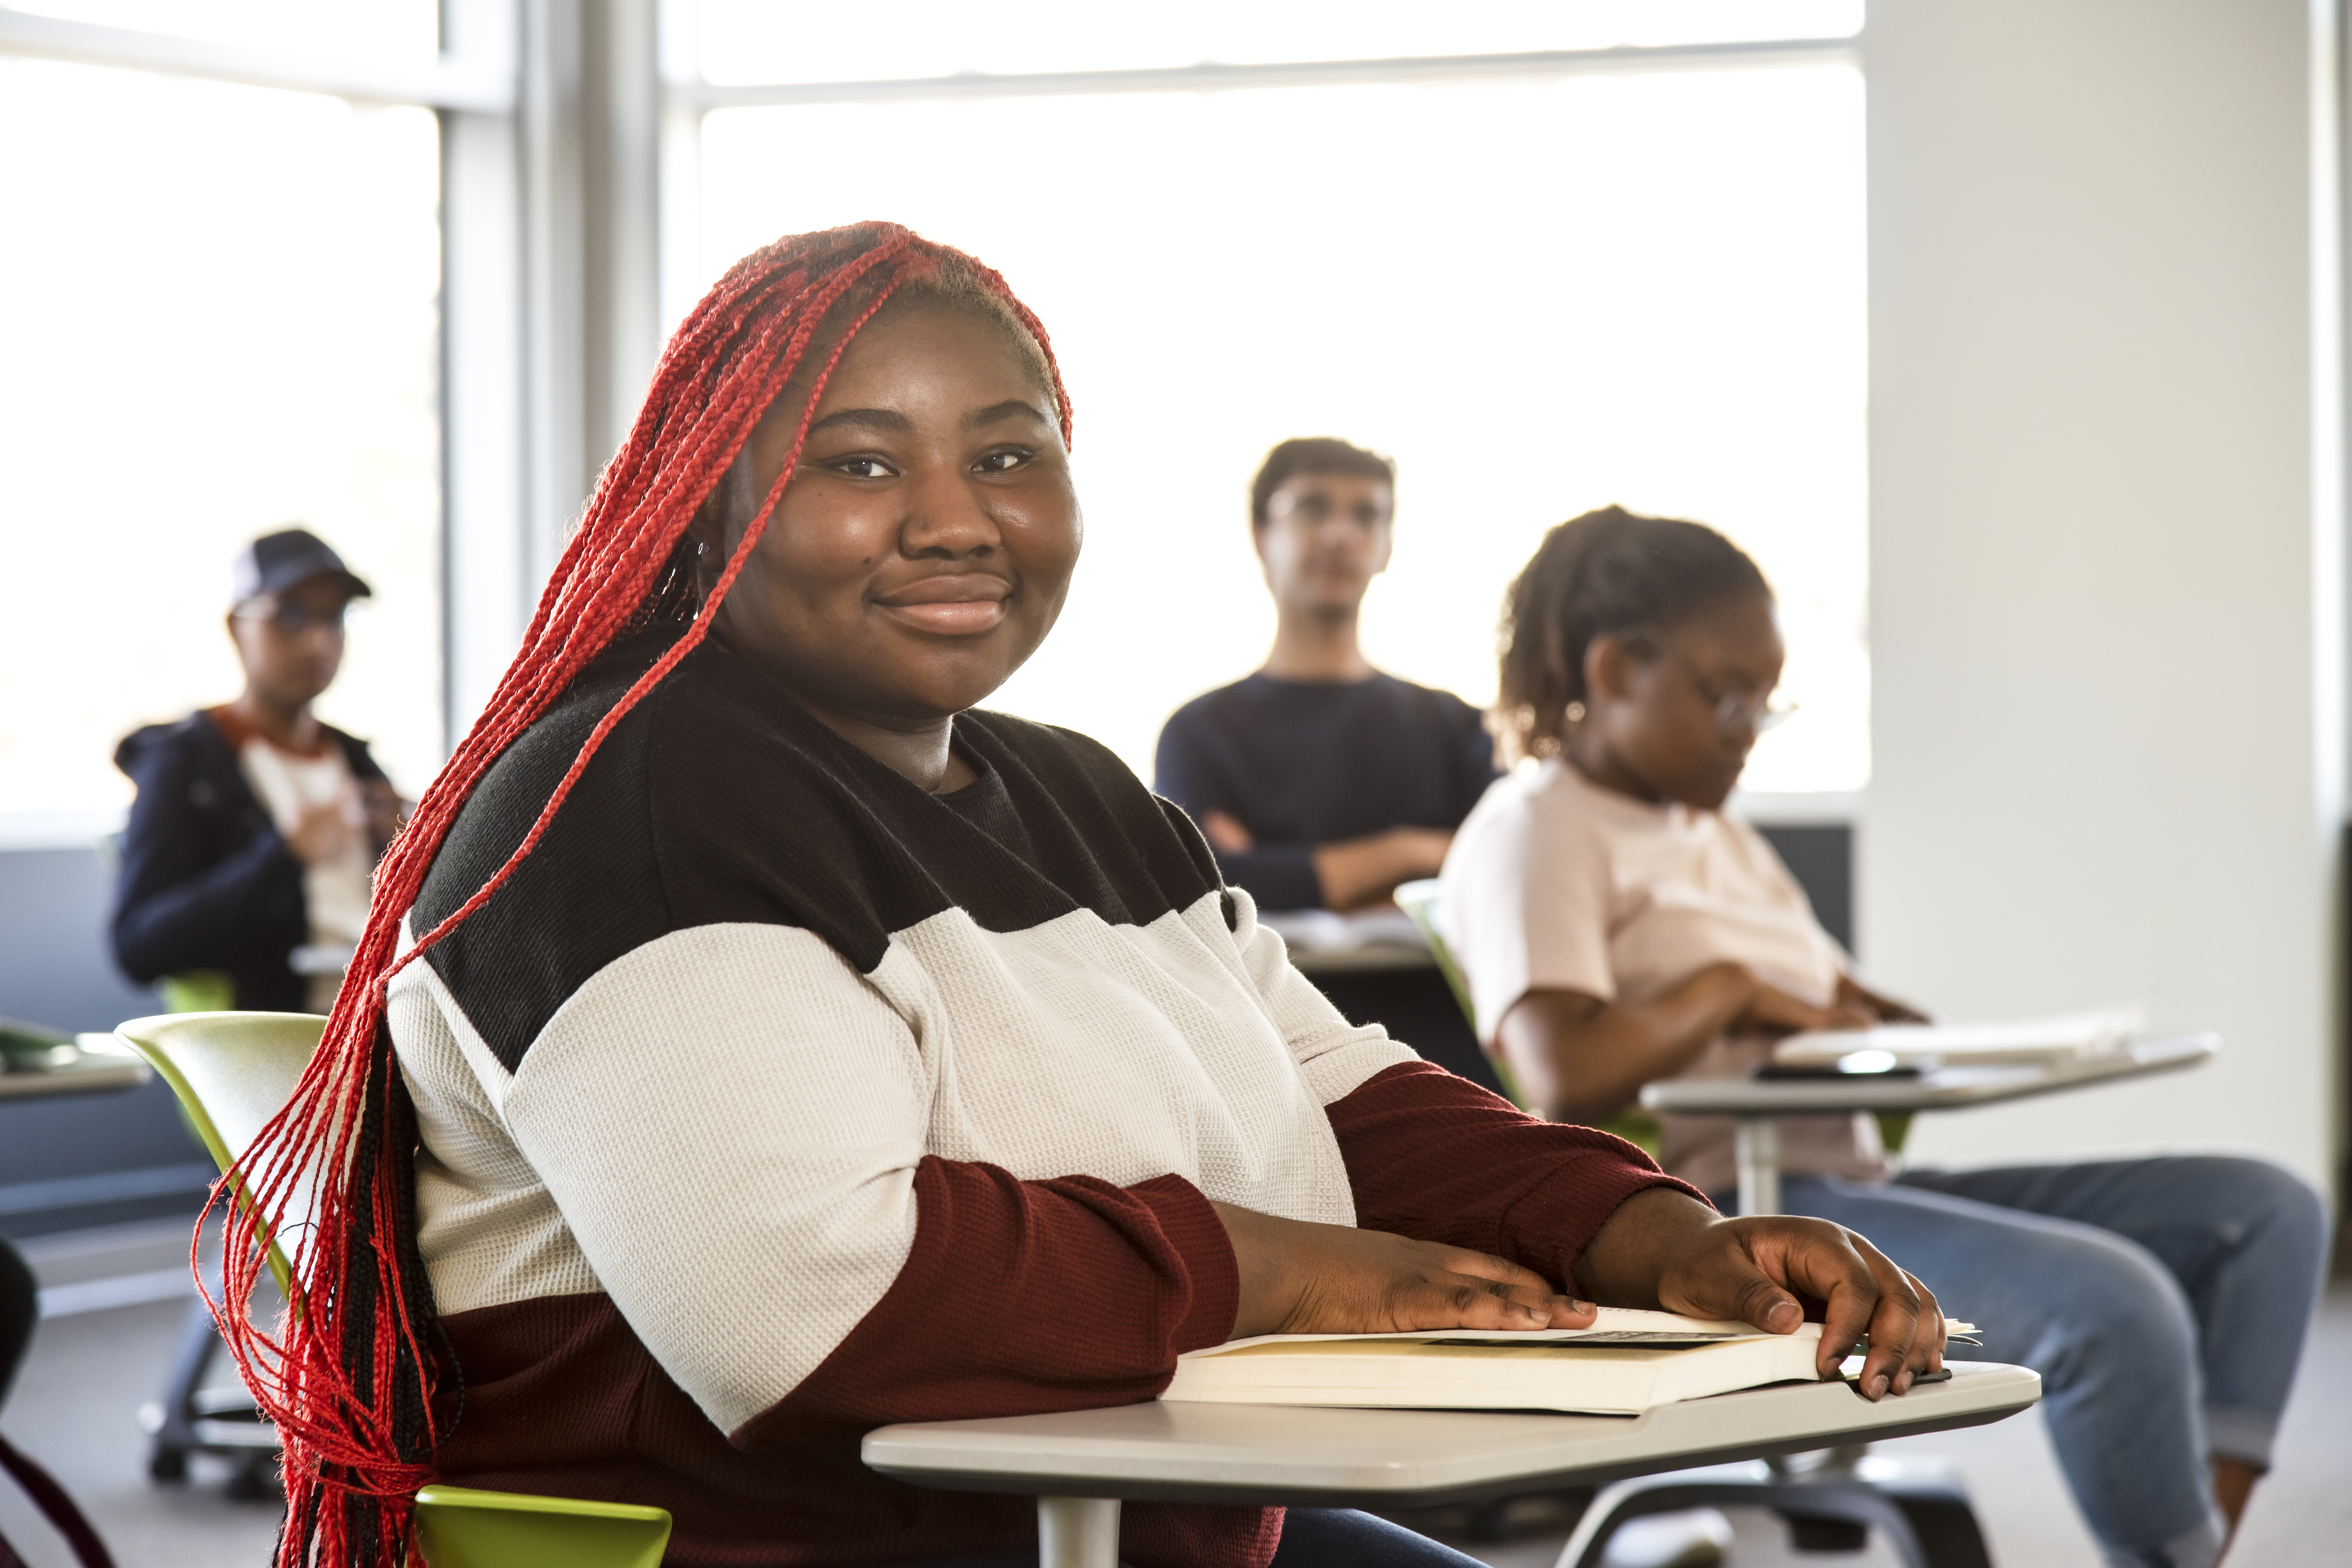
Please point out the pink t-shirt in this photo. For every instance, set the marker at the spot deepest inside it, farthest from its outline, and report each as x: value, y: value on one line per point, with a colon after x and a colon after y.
x: 1554, y: 883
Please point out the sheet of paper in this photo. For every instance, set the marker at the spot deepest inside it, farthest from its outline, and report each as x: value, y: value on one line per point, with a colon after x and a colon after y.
x: 1957, y: 1045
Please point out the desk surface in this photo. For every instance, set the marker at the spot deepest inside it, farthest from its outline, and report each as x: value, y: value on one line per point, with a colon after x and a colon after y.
x: 1269, y: 1453
x: 95, y: 1065
x: 1321, y: 942
x: 1948, y: 1087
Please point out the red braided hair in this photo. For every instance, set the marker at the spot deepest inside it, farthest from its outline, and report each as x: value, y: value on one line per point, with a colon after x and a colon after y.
x: 357, y: 1377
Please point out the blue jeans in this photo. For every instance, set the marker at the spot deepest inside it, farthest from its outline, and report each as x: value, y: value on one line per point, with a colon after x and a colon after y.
x: 2164, y: 1302
x: 1311, y: 1538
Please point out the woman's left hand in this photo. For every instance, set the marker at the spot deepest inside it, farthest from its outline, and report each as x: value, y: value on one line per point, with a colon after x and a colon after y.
x: 1853, y: 992
x: 1664, y: 1249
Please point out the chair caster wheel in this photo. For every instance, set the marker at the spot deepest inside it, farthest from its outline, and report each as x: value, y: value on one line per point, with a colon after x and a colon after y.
x: 165, y: 1466
x: 1810, y: 1534
x: 256, y: 1480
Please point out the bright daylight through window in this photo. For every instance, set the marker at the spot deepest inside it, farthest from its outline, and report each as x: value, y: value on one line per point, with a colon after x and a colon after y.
x: 1540, y: 293
x: 230, y: 325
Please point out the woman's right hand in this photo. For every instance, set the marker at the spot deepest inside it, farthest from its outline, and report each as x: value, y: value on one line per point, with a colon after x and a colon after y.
x: 1767, y: 1009
x: 1299, y: 1278
x: 1771, y: 1011
x: 321, y: 833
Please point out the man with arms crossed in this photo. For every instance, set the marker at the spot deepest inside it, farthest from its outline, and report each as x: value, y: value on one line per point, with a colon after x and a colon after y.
x: 1321, y: 781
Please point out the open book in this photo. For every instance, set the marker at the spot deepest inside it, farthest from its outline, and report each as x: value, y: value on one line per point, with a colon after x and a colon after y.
x: 1624, y: 1363
x: 2023, y: 1041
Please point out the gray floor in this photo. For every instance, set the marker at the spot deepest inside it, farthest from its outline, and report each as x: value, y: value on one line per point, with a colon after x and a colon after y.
x: 93, y: 1364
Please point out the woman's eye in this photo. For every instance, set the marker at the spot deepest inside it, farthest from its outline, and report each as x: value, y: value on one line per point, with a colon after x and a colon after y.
x: 1002, y: 462
x: 863, y: 467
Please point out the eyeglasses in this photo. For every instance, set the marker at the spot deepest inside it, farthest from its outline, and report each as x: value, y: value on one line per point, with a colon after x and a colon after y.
x: 1753, y: 711
x: 1315, y: 509
x: 287, y: 618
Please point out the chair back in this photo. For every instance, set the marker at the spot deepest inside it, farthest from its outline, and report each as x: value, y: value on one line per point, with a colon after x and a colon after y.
x: 461, y: 1528
x: 232, y: 1072
x: 1420, y: 899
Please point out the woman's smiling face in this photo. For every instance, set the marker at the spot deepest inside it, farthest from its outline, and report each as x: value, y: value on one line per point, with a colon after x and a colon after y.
x: 924, y: 545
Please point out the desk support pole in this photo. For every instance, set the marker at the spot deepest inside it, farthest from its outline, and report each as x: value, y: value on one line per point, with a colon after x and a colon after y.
x: 1077, y: 1533
x: 1758, y: 1152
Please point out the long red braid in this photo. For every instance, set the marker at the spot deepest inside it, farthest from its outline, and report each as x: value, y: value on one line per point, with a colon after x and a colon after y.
x: 356, y: 1377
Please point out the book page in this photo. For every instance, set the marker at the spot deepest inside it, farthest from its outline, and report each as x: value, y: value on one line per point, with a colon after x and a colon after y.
x: 1611, y: 1326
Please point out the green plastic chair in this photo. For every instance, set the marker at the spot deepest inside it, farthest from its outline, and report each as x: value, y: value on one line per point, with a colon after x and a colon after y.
x: 1420, y: 901
x: 232, y: 1071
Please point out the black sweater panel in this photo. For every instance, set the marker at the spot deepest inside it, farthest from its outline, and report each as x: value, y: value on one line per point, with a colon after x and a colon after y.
x: 719, y: 799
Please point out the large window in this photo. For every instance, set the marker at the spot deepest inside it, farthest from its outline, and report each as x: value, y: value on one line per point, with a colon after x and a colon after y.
x: 220, y: 319
x: 1540, y: 293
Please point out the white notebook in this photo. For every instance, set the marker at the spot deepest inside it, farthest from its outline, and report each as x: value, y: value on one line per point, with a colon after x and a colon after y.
x: 2020, y: 1041
x: 1625, y: 1363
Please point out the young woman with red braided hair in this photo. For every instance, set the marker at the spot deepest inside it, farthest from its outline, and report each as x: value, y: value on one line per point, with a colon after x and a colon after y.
x: 755, y: 1043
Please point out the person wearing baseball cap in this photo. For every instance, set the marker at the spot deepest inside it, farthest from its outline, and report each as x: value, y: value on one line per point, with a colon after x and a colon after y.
x: 245, y: 863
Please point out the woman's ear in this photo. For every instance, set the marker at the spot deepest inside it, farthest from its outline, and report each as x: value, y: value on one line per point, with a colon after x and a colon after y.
x: 1608, y: 669
x: 709, y: 532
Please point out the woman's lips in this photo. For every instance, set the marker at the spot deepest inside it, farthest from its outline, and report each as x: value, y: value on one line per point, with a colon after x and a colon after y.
x: 961, y: 605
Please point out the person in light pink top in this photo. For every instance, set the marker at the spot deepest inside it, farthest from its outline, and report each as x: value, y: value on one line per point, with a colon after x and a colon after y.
x: 1616, y: 928
x: 1672, y: 882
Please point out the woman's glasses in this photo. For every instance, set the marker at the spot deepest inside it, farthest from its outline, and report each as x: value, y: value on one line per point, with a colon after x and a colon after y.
x: 1315, y: 509
x: 1736, y: 712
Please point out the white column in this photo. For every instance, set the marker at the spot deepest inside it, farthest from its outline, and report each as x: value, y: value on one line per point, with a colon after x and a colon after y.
x: 488, y: 584
x: 2107, y: 567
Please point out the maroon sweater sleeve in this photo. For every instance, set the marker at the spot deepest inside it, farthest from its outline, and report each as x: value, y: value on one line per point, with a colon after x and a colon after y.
x: 1020, y: 1297
x: 1436, y: 1157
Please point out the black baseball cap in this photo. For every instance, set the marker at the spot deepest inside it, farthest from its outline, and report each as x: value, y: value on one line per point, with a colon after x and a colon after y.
x: 277, y: 562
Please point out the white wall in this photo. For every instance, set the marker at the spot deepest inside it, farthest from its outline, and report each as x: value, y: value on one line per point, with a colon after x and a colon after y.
x: 2104, y: 700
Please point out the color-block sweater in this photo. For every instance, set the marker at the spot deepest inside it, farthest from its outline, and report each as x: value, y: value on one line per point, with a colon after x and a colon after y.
x: 775, y: 1099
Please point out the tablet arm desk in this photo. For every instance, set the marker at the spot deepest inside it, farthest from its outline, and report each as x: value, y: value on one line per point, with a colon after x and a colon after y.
x: 1081, y: 1465
x: 1759, y: 1103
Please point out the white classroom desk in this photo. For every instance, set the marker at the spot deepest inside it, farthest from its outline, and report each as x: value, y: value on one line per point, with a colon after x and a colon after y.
x: 94, y: 1064
x: 1758, y: 1103
x: 1081, y: 1465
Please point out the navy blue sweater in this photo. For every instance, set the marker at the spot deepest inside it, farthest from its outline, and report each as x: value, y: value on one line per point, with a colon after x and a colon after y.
x: 1305, y: 763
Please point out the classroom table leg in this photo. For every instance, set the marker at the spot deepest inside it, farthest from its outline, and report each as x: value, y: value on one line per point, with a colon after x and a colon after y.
x: 1757, y: 1154
x: 1077, y: 1533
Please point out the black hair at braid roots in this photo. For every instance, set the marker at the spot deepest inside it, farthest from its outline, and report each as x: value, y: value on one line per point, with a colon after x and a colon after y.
x: 1610, y: 573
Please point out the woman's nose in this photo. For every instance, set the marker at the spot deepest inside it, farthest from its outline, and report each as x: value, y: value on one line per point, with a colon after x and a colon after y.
x: 946, y: 516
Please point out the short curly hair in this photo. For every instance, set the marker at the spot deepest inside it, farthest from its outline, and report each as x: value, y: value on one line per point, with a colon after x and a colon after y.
x: 1610, y: 573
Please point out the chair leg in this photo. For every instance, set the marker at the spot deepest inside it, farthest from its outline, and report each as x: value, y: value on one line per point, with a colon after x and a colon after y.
x: 1949, y: 1536
x: 56, y: 1506
x: 1810, y: 1504
x: 176, y: 1433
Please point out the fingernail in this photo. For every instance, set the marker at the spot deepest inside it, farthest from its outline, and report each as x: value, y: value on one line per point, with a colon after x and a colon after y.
x: 1576, y: 1306
x: 1902, y: 1383
x: 1878, y: 1385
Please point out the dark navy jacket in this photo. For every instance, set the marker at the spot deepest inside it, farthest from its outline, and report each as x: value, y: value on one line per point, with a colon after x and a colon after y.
x: 207, y: 882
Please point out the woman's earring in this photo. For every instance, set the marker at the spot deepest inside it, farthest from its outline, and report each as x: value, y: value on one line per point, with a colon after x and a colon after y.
x: 1575, y: 713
